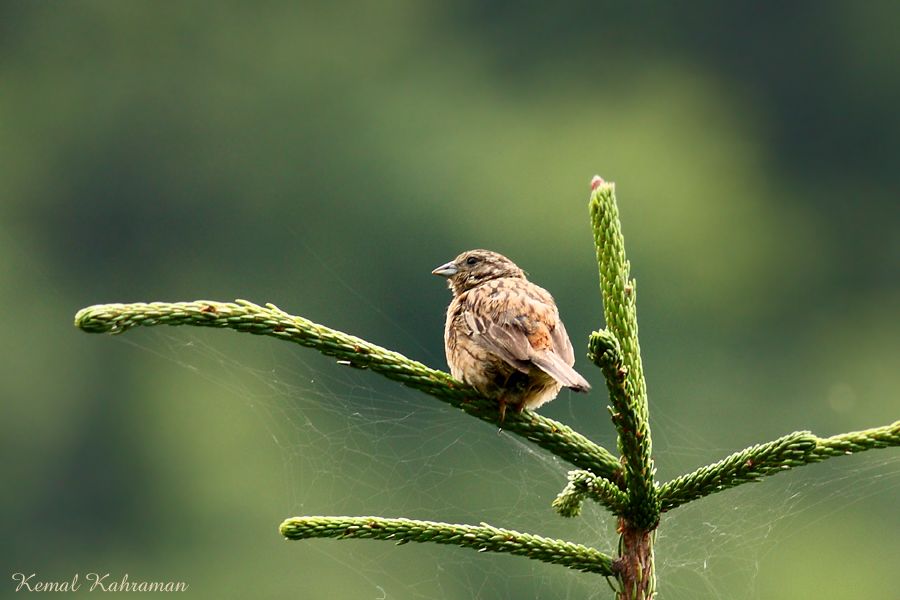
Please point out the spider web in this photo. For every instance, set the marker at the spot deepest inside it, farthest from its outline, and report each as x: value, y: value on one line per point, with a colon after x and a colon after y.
x: 354, y: 444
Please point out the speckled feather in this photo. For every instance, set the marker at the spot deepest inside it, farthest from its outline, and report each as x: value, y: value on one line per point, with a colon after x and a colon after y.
x: 503, y: 334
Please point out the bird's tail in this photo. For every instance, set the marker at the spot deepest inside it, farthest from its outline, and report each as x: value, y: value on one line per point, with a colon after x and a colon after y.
x: 552, y: 364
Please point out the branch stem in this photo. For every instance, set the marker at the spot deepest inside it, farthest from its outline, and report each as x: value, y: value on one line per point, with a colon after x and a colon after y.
x: 624, y: 370
x: 780, y: 455
x: 584, y: 484
x: 270, y: 320
x: 484, y: 538
x: 617, y: 351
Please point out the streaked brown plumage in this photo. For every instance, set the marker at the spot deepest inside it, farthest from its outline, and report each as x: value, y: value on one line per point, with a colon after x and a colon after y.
x: 503, y: 334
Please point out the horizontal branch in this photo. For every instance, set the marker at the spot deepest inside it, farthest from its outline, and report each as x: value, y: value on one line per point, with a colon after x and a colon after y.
x: 750, y: 464
x: 857, y: 441
x: 483, y: 538
x: 271, y: 321
x: 753, y: 463
x: 584, y: 484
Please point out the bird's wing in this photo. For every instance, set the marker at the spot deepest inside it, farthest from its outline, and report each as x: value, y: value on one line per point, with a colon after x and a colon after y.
x: 558, y: 358
x: 505, y: 342
x: 553, y: 364
x: 523, y: 328
x: 562, y: 344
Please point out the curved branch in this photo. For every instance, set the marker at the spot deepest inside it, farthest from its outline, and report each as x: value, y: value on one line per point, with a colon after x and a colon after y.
x: 351, y: 350
x: 483, y: 538
x: 753, y: 463
x: 584, y: 484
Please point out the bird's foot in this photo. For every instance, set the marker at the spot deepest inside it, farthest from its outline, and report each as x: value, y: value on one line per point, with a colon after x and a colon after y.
x: 517, y: 408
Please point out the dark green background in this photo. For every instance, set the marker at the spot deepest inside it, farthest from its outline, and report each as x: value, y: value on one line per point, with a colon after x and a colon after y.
x: 324, y: 157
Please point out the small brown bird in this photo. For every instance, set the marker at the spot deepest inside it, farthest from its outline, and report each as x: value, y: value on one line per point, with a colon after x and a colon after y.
x: 503, y: 334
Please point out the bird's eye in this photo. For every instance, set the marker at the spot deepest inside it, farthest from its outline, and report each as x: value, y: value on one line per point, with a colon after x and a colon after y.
x: 471, y: 260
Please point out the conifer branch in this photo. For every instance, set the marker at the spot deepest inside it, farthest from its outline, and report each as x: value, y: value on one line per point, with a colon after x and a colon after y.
x: 619, y: 355
x: 270, y: 320
x: 758, y: 461
x: 584, y: 484
x: 483, y: 538
x: 750, y: 464
x: 857, y: 441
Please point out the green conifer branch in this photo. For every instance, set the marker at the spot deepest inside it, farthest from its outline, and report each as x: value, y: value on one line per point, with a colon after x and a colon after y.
x: 483, y: 538
x: 750, y: 464
x: 857, y: 441
x: 605, y: 352
x: 758, y: 461
x: 584, y: 484
x: 622, y: 364
x: 248, y: 317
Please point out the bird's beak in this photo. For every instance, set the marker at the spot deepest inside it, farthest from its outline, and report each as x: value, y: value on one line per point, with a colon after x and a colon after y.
x: 446, y: 270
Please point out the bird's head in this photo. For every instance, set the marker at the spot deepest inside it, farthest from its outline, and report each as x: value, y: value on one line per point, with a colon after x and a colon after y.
x: 474, y: 267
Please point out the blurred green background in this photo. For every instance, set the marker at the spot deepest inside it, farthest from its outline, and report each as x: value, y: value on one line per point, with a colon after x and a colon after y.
x: 325, y: 157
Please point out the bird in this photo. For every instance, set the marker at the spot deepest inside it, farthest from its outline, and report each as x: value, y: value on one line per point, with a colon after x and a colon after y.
x: 503, y: 335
